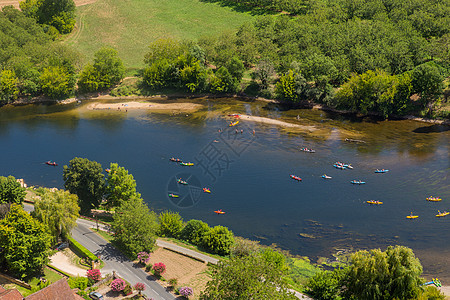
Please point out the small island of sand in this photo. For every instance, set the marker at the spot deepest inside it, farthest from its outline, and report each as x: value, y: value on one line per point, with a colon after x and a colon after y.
x: 185, y: 107
x: 277, y: 122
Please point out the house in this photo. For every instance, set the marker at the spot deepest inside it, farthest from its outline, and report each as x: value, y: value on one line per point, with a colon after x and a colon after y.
x: 58, y: 290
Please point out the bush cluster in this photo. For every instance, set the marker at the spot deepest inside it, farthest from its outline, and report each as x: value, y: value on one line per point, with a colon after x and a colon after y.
x: 118, y: 285
x: 94, y: 275
x: 159, y: 268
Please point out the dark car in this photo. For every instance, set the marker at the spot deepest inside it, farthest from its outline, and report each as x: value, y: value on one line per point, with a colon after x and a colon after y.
x: 96, y: 295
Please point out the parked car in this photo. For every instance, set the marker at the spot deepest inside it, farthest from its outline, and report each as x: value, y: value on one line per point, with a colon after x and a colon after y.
x: 96, y: 295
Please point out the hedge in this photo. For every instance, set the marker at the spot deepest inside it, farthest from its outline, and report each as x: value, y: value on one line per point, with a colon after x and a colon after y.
x: 80, y: 250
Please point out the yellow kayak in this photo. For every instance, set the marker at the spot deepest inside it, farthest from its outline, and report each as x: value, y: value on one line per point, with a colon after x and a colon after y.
x: 374, y: 202
x: 233, y: 123
x: 412, y: 217
x: 443, y: 214
x: 434, y: 199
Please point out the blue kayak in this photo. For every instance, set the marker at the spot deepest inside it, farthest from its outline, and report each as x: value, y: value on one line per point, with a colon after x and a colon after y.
x: 357, y: 182
x: 381, y: 171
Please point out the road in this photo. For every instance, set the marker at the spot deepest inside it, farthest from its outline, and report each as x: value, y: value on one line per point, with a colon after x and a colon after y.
x: 114, y: 260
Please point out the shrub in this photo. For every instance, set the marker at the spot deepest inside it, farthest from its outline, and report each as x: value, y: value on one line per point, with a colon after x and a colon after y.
x: 139, y: 287
x: 159, y: 268
x: 431, y: 293
x: 78, y: 282
x: 94, y: 275
x: 193, y: 231
x: 325, y: 285
x: 244, y: 247
x: 143, y: 257
x: 148, y: 267
x: 80, y: 250
x: 218, y: 240
x: 127, y: 290
x: 173, y: 281
x: 118, y: 285
x: 185, y: 291
x: 170, y: 224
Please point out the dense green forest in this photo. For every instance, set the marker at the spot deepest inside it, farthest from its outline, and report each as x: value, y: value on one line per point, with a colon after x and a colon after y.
x: 361, y: 55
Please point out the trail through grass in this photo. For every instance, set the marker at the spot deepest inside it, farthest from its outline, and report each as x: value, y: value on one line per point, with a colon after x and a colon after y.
x: 131, y: 25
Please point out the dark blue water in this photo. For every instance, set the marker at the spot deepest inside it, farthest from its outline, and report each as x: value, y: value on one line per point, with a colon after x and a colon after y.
x: 249, y: 174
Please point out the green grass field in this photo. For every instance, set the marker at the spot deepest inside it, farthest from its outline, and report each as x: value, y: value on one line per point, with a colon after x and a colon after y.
x: 131, y: 25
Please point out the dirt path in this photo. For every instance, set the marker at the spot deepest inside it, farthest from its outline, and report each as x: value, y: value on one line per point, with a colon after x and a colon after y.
x: 62, y: 262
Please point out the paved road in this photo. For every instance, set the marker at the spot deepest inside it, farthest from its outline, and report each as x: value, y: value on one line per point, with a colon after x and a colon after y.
x: 115, y: 261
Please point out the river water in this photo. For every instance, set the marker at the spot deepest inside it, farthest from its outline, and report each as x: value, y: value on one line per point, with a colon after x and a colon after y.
x: 248, y: 174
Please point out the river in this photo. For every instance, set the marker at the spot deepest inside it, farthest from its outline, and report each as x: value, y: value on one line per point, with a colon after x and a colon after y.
x: 248, y: 174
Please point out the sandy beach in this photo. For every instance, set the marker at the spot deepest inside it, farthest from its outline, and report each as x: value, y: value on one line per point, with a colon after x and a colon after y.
x: 124, y: 106
x: 276, y: 122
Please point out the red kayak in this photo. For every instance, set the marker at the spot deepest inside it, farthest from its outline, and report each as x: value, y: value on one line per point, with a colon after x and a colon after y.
x: 295, y: 177
x: 50, y: 163
x: 219, y: 212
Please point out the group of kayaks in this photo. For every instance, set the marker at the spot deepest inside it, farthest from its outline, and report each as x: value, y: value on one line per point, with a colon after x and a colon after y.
x: 342, y: 166
x: 307, y: 150
x: 181, y: 162
x: 439, y: 213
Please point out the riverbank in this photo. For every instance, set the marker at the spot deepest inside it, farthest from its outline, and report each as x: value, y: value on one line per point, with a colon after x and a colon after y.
x: 276, y: 122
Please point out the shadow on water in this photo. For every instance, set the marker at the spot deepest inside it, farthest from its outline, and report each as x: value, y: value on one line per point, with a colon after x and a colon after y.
x: 432, y: 129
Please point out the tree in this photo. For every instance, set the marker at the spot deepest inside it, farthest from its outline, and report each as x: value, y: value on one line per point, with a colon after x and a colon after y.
x: 193, y: 231
x: 57, y: 13
x: 292, y: 87
x: 427, y: 80
x: 58, y: 210
x: 222, y: 81
x: 264, y: 71
x: 392, y: 274
x: 218, y: 239
x: 24, y: 243
x: 107, y: 71
x: 135, y: 227
x: 246, y: 277
x: 236, y: 68
x: 165, y: 48
x: 85, y: 179
x: 120, y: 186
x: 170, y: 224
x: 11, y: 191
x: 8, y: 86
x: 56, y: 82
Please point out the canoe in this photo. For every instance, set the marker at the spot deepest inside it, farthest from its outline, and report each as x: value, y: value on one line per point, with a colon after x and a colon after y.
x: 434, y: 199
x: 348, y: 167
x: 381, y: 171
x: 339, y: 167
x: 50, y: 163
x: 107, y: 170
x: 235, y: 115
x: 175, y: 159
x: 186, y: 164
x: 219, y: 212
x: 442, y: 214
x: 326, y: 177
x: 412, y: 217
x: 233, y: 124
x: 374, y: 202
x: 295, y: 177
x: 357, y: 182
x: 206, y: 190
x: 173, y: 195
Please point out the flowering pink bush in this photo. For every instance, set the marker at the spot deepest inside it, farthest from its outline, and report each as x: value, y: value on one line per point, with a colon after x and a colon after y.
x: 94, y: 275
x: 143, y: 257
x: 185, y: 291
x: 159, y: 268
x: 139, y: 287
x: 118, y: 285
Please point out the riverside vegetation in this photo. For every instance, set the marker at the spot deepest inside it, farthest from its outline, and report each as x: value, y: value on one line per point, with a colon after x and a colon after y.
x: 390, y: 58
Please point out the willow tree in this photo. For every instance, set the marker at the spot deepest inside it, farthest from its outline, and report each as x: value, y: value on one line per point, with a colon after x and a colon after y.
x: 58, y: 210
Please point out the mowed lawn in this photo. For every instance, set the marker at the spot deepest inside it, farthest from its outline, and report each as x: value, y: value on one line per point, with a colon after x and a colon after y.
x: 131, y: 25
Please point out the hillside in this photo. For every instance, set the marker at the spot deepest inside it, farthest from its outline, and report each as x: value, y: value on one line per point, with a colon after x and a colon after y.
x: 129, y: 26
